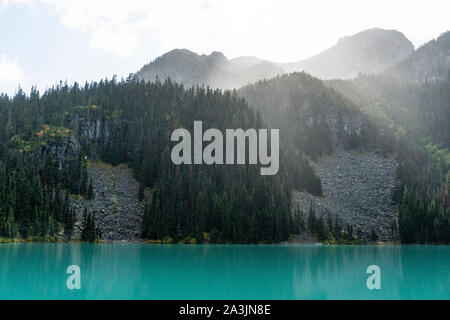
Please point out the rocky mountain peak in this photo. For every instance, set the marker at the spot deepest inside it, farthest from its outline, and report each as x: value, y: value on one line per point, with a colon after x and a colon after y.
x: 430, y: 61
x: 369, y: 51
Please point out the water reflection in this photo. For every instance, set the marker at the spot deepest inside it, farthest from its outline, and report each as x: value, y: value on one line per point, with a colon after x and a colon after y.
x: 37, y: 271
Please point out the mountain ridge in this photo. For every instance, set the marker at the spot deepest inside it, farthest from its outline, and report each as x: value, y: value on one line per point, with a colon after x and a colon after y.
x: 215, y: 70
x: 369, y: 51
x: 429, y: 61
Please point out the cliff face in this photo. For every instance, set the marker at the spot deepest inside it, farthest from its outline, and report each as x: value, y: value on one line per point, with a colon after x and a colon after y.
x: 63, y: 149
x: 314, y: 118
x: 94, y: 130
x: 339, y: 125
x: 118, y: 213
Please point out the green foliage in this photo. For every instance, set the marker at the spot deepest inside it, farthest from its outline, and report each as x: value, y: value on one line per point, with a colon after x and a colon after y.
x: 89, y: 232
x: 31, y: 202
x: 296, y: 223
x: 422, y: 195
x: 229, y: 203
x: 90, y: 191
x: 373, y: 236
x: 331, y: 230
x: 134, y: 121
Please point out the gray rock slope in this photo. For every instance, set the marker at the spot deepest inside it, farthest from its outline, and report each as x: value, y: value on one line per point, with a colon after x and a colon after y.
x: 118, y: 211
x: 357, y: 189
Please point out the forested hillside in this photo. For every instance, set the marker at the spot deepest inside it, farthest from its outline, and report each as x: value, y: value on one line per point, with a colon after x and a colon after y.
x: 314, y: 119
x: 417, y: 114
x: 318, y: 122
x: 47, y: 140
x: 422, y: 108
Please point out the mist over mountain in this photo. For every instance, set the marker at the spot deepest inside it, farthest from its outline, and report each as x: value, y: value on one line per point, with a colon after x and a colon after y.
x: 369, y: 51
x: 215, y: 70
x: 430, y: 61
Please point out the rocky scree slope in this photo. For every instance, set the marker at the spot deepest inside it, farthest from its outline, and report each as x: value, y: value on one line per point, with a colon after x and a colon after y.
x: 357, y: 190
x: 118, y: 213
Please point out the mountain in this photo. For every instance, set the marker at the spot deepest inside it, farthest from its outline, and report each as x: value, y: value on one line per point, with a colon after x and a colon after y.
x: 430, y: 61
x: 369, y: 51
x: 215, y: 70
x: 368, y: 155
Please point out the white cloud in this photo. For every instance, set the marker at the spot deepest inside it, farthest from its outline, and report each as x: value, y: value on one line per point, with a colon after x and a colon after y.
x: 113, y: 26
x: 279, y: 30
x: 6, y: 3
x: 11, y: 75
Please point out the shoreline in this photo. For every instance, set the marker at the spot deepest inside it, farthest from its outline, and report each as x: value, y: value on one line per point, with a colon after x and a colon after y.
x: 150, y: 242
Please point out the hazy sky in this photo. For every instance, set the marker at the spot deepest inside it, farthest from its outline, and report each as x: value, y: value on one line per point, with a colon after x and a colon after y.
x: 44, y: 41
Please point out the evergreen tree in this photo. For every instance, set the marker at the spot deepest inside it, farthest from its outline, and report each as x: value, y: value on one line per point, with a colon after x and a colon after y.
x: 89, y: 232
x: 373, y: 235
x: 90, y: 193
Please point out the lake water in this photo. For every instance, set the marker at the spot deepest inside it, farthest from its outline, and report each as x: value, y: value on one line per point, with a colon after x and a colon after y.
x: 137, y: 271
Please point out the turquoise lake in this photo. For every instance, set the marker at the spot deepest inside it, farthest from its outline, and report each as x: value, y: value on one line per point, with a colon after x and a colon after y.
x: 138, y: 271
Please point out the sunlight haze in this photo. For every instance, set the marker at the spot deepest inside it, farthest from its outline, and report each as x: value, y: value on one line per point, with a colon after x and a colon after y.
x: 45, y: 41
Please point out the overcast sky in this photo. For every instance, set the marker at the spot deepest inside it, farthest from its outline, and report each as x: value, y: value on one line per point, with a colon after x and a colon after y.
x: 44, y: 41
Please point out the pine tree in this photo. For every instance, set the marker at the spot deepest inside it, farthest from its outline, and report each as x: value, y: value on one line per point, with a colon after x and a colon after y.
x: 373, y: 235
x: 89, y: 232
x: 90, y: 194
x: 141, y: 193
x: 312, y: 219
x: 12, y: 230
x: 69, y: 224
